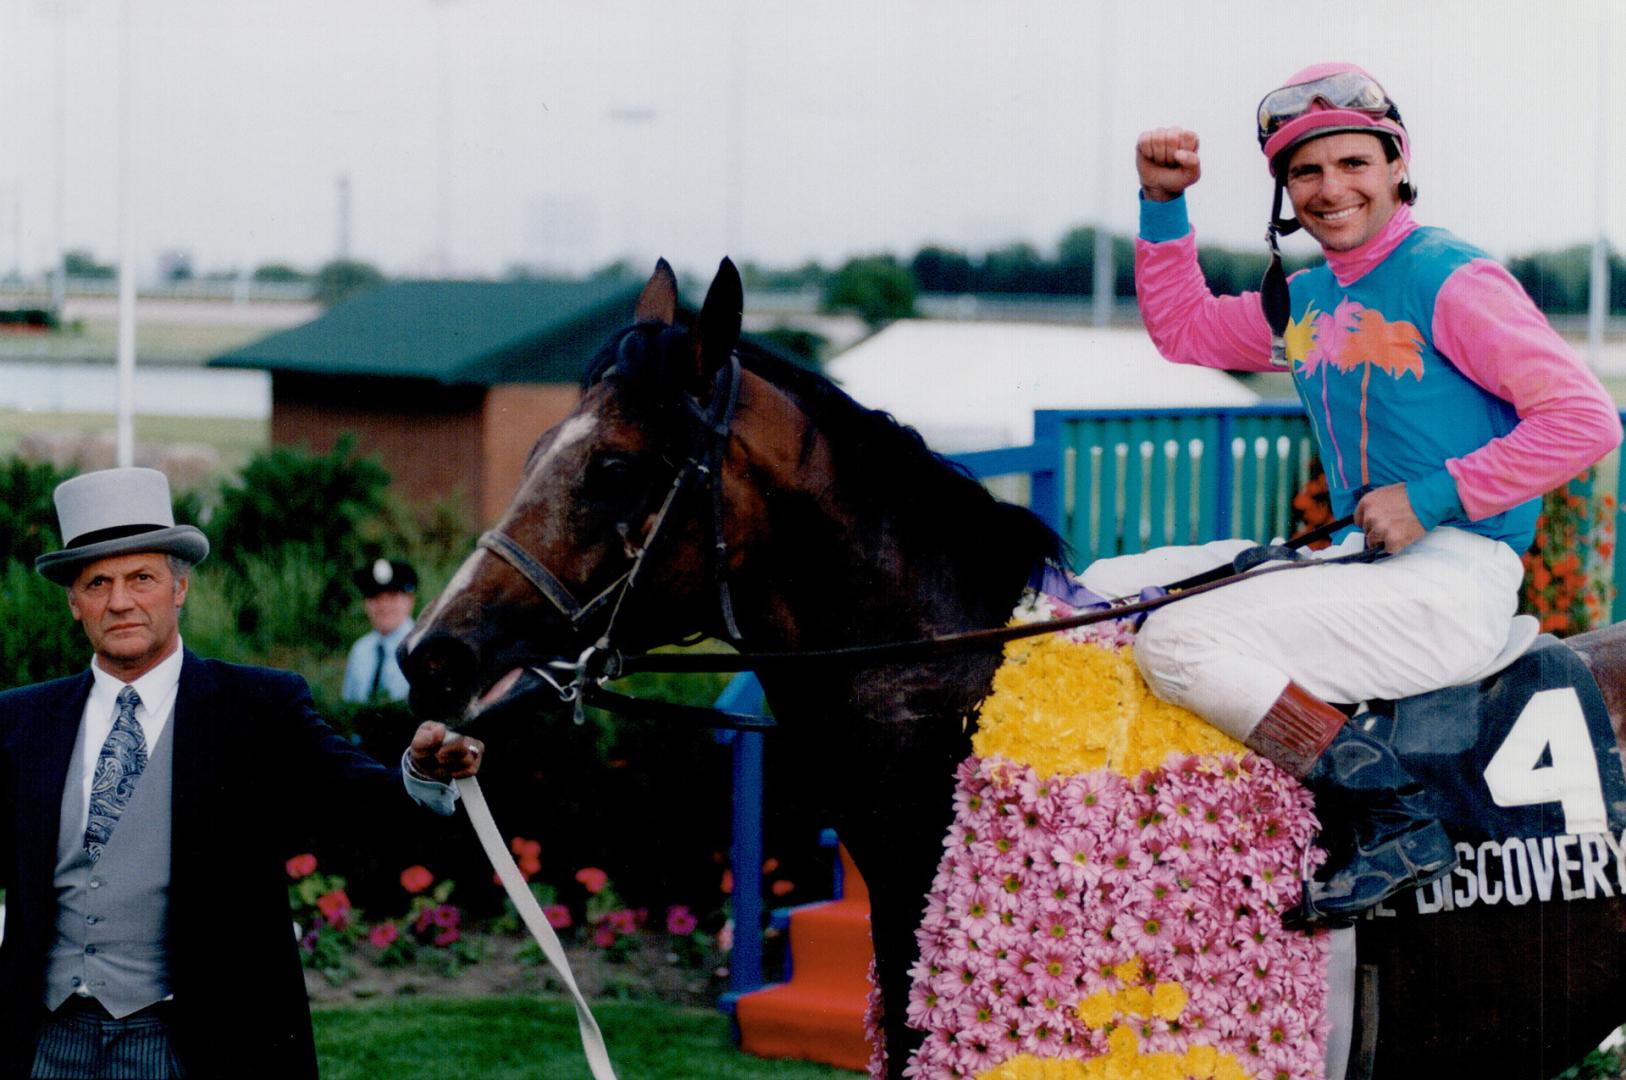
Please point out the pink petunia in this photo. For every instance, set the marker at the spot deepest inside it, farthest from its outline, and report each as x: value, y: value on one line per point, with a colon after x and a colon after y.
x: 558, y: 916
x: 383, y: 935
x: 301, y: 866
x: 447, y: 937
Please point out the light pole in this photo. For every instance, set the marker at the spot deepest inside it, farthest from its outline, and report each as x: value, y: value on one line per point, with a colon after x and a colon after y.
x: 124, y: 392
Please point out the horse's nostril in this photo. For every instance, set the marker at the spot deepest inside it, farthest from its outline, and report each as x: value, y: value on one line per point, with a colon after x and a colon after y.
x: 442, y: 670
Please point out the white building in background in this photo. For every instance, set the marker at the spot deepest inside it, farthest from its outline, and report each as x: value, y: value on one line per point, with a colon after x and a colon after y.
x: 975, y: 385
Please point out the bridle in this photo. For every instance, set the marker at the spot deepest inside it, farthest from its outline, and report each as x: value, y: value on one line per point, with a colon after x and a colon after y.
x: 601, y: 661
x: 581, y: 682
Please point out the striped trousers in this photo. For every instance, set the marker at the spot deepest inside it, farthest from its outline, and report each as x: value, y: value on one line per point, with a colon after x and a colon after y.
x: 81, y: 1041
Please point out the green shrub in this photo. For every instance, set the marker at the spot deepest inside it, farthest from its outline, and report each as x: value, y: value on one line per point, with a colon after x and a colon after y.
x: 38, y: 637
x: 28, y: 522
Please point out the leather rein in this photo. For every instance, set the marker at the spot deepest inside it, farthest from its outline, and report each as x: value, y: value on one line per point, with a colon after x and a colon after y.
x: 582, y: 682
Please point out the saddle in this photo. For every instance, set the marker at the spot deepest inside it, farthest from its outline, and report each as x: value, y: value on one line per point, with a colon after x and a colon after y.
x: 1526, y: 775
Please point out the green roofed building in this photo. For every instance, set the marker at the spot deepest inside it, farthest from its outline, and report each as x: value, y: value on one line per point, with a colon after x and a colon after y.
x: 447, y: 382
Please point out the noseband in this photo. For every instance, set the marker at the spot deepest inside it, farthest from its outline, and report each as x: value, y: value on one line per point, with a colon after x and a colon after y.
x: 703, y: 465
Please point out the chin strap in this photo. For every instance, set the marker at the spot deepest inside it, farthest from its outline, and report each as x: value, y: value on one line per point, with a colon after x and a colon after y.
x: 1273, y: 295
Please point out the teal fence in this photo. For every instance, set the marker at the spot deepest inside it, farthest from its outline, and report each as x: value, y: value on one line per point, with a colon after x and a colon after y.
x: 1119, y: 481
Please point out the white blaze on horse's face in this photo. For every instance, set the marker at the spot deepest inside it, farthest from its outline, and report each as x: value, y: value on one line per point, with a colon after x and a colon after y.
x: 572, y: 431
x: 460, y: 581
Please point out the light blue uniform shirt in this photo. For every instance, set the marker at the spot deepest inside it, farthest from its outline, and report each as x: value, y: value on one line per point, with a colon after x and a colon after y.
x: 362, y: 666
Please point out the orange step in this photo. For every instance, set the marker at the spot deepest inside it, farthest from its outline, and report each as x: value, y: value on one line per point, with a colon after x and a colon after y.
x: 818, y: 1015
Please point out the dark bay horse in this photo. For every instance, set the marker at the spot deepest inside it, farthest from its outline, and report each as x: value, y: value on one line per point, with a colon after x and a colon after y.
x: 809, y: 522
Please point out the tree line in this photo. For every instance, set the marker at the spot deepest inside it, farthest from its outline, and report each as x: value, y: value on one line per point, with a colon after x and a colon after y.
x: 884, y: 286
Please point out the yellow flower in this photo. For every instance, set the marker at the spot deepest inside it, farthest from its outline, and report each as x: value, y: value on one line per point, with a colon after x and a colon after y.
x: 1064, y: 706
x: 1168, y: 1000
x: 1130, y: 971
x: 1098, y: 1009
x: 1136, y: 1001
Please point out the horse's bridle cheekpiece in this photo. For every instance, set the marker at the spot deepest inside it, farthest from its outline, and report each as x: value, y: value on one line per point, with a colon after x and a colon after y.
x: 601, y: 661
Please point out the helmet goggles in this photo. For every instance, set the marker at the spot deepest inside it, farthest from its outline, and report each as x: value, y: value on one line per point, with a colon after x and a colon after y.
x: 1354, y: 91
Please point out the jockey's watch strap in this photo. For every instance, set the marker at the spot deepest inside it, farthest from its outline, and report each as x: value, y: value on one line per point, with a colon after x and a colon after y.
x: 530, y: 912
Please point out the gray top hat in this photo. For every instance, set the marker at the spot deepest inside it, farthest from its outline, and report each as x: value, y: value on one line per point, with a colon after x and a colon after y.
x: 116, y: 512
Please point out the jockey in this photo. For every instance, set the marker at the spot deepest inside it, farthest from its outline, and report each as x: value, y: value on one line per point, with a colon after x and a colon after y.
x: 1443, y: 407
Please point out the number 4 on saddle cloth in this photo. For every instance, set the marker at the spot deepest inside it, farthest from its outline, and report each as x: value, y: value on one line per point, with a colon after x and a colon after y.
x: 1526, y: 774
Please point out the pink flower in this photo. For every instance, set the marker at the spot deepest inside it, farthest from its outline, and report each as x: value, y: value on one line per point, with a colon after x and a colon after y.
x: 604, y: 935
x: 446, y: 916
x: 447, y: 937
x: 415, y: 879
x: 592, y: 879
x: 558, y: 916
x: 383, y: 935
x: 680, y: 921
x: 301, y: 866
x: 623, y: 921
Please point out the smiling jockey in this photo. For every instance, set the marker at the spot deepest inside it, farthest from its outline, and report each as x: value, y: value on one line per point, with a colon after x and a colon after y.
x: 1443, y: 407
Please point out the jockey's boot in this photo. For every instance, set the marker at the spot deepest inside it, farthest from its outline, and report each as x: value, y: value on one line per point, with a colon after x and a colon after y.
x: 1395, y: 840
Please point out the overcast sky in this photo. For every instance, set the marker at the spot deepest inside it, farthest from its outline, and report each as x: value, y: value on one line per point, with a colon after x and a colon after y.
x: 489, y: 133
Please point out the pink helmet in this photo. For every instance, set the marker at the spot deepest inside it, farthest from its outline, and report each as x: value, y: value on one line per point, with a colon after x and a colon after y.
x: 1325, y: 99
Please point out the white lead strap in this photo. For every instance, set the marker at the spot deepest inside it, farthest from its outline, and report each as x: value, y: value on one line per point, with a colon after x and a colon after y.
x: 530, y: 912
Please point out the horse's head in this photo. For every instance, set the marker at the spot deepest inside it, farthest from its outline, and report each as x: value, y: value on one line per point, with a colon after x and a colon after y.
x: 630, y: 472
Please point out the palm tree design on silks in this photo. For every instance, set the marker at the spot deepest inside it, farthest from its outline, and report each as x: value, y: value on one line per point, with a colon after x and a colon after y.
x: 1315, y: 342
x: 1394, y: 347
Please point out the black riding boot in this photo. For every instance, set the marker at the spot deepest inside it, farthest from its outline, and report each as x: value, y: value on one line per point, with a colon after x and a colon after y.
x: 1394, y: 841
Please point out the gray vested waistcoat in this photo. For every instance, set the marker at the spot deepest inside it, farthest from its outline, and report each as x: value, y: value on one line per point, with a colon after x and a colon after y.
x: 113, y: 915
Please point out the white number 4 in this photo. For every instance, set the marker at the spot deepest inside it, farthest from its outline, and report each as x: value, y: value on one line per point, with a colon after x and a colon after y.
x: 1551, y: 721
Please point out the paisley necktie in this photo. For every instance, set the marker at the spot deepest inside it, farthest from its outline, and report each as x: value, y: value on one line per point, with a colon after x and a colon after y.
x: 118, y: 767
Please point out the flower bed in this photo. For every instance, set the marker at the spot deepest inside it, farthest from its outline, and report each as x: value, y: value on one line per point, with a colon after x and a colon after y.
x: 1108, y: 902
x: 615, y: 950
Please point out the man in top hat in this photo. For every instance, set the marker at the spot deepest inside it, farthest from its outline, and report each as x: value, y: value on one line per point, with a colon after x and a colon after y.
x: 147, y: 808
x: 388, y: 589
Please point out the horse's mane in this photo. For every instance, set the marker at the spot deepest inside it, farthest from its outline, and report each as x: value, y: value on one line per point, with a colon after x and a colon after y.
x: 885, y: 466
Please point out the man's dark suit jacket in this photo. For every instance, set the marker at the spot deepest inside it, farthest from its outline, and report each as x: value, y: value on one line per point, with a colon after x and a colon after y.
x: 254, y: 765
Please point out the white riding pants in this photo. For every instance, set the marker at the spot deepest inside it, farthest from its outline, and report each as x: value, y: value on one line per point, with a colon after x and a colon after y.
x: 1431, y: 616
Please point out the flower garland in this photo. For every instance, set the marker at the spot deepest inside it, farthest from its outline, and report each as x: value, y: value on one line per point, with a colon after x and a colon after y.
x: 1108, y: 902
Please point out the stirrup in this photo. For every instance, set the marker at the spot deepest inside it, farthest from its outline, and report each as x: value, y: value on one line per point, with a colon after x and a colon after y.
x: 1397, y: 865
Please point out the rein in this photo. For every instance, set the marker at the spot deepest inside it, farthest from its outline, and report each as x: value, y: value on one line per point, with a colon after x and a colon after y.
x: 598, y: 665
x: 581, y: 682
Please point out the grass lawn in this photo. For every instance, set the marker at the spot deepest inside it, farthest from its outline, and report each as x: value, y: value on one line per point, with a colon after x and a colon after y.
x: 535, y: 1039
x: 236, y: 439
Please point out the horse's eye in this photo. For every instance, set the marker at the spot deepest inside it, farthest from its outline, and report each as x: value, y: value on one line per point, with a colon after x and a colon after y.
x: 609, y: 474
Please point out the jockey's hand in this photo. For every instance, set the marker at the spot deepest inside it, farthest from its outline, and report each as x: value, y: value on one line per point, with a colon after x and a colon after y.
x: 1386, y: 517
x: 443, y: 755
x: 1166, y: 159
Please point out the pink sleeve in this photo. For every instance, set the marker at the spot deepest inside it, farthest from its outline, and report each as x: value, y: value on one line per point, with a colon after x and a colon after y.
x: 1188, y: 323
x: 1487, y: 326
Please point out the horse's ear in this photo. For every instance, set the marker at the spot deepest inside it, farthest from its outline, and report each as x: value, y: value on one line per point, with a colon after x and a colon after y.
x: 658, y: 302
x: 719, y: 328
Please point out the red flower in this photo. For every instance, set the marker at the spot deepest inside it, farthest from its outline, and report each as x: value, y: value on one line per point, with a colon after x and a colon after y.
x: 383, y: 935
x: 782, y: 888
x: 603, y: 936
x: 415, y: 879
x: 728, y: 882
x: 593, y: 879
x: 335, y: 908
x: 301, y: 866
x: 447, y: 936
x: 558, y: 916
